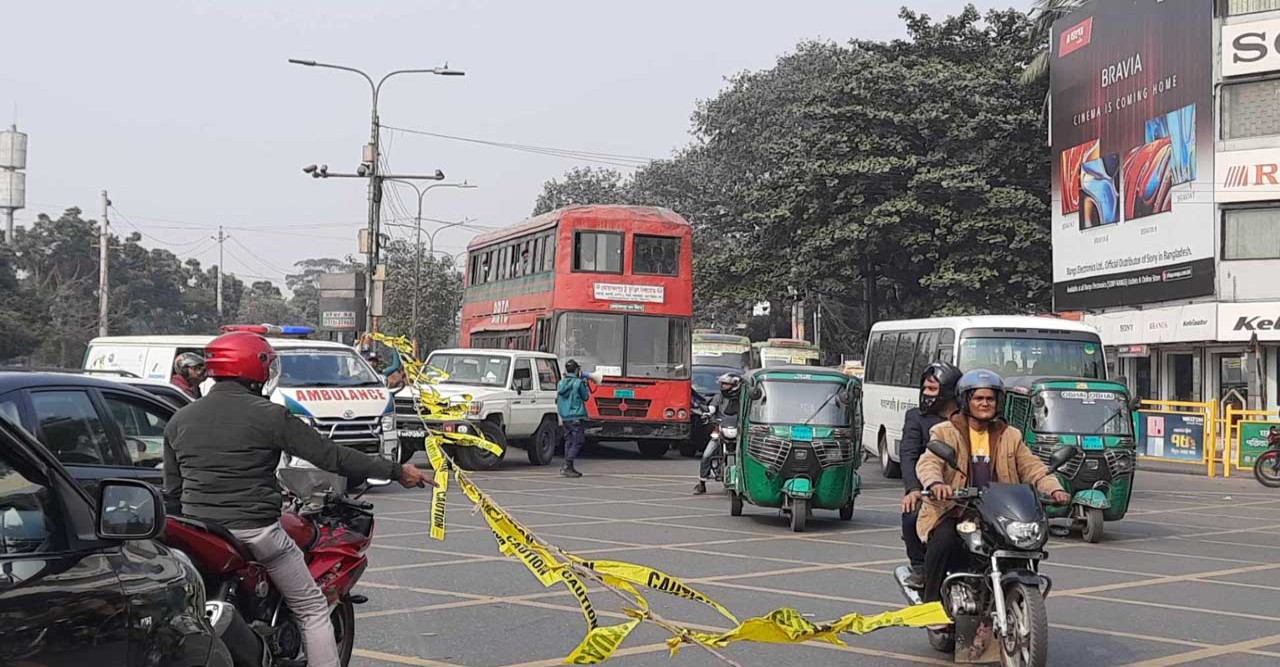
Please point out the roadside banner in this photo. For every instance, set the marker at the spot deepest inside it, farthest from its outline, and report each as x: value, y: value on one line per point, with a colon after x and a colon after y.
x: 1253, y: 440
x: 1177, y: 436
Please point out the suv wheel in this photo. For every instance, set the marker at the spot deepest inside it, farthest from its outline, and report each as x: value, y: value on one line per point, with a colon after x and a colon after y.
x: 543, y: 448
x: 474, y: 458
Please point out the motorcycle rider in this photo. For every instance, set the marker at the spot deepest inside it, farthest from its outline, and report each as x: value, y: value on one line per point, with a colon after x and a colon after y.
x: 937, y: 404
x: 988, y: 450
x: 220, y: 459
x: 726, y: 409
x: 188, y: 372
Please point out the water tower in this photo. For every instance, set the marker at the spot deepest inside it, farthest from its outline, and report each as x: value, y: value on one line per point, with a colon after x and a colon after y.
x: 13, y: 181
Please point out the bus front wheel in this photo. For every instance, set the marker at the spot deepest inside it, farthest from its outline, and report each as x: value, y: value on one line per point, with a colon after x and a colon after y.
x: 890, y: 468
x: 653, y: 449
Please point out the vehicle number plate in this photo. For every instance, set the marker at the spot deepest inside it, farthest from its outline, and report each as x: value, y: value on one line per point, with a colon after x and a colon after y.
x: 624, y: 393
x: 412, y: 434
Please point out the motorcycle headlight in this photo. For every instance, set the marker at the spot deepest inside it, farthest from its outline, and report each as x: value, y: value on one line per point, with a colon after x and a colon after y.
x: 730, y: 432
x: 388, y: 424
x: 1025, y: 534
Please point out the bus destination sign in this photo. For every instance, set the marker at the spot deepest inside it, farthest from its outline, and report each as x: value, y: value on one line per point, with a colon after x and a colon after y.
x: 634, y: 293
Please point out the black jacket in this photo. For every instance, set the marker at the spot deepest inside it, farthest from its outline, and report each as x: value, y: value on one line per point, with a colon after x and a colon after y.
x: 221, y: 453
x: 727, y: 406
x: 915, y: 433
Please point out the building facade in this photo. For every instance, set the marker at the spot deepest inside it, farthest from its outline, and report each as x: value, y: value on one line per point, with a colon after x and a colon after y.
x: 1182, y: 274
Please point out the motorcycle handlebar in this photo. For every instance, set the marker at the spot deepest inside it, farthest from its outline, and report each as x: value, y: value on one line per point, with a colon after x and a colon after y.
x: 353, y: 504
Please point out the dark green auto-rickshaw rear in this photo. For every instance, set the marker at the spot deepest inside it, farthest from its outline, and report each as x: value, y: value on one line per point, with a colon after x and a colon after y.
x: 801, y: 432
x: 1096, y: 416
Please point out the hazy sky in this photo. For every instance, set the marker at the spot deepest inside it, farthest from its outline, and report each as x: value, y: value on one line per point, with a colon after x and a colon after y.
x: 189, y: 114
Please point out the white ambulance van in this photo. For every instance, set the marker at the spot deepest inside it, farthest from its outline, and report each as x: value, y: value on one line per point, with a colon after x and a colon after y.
x: 326, y: 384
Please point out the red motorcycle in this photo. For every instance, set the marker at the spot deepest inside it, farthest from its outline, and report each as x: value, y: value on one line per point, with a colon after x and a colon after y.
x: 244, y: 607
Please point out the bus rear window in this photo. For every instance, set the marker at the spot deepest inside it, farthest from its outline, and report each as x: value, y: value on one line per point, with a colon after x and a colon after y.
x: 1014, y: 357
x: 655, y: 255
x: 597, y: 252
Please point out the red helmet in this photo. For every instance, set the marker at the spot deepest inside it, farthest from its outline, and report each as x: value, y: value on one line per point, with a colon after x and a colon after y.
x: 243, y: 355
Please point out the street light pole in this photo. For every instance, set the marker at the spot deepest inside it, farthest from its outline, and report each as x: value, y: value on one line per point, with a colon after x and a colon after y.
x: 371, y: 156
x: 417, y: 248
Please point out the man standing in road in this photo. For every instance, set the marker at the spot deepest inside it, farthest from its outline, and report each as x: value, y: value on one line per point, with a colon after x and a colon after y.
x: 220, y: 458
x: 188, y: 372
x: 572, y: 395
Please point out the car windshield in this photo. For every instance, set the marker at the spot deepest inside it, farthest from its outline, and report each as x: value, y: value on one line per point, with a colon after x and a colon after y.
x: 794, y: 402
x: 482, y: 369
x: 1082, y: 412
x: 325, y: 368
x: 1014, y: 357
x: 643, y: 346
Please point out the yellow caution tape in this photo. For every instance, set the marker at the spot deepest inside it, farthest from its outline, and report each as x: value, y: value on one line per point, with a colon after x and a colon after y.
x: 783, y: 626
x: 600, y: 643
x: 438, y: 502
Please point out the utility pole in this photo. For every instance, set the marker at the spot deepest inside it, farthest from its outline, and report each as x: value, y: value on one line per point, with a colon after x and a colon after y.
x: 104, y: 285
x: 220, y: 238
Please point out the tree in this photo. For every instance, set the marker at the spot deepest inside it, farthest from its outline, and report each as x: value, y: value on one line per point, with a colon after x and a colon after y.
x: 305, y: 284
x: 582, y: 185
x: 262, y: 302
x: 20, y: 328
x: 439, y: 296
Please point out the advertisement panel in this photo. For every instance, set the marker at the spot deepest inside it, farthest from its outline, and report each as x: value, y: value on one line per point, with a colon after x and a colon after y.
x: 1250, y: 48
x: 1252, y: 175
x: 1240, y: 322
x: 1177, y: 436
x: 1254, y: 436
x: 1132, y: 137
x: 1177, y: 324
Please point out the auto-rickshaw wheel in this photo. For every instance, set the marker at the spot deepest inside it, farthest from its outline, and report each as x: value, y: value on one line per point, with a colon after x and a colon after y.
x: 735, y: 504
x: 1092, y: 525
x: 799, y: 513
x: 846, y: 511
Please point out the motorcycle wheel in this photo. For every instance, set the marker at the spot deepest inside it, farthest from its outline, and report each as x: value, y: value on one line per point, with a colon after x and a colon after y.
x: 799, y: 514
x: 344, y: 628
x: 943, y: 641
x: 1092, y: 525
x: 1265, y: 470
x: 1026, y: 640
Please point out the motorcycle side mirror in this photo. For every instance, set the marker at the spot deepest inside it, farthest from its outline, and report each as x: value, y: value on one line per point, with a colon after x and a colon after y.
x: 945, y: 452
x: 1062, y: 456
x: 757, y: 393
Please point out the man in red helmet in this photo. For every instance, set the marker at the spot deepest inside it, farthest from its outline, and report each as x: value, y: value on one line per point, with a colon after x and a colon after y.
x: 220, y: 459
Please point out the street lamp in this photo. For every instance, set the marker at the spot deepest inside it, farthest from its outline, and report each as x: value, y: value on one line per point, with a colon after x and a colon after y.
x: 417, y: 248
x: 370, y: 159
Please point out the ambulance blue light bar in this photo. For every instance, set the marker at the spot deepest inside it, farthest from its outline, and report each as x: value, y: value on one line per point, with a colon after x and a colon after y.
x: 270, y: 329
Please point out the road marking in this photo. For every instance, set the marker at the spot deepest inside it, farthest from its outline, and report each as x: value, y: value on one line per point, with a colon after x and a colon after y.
x: 1208, y: 652
x: 400, y: 659
x: 1195, y: 610
x: 1169, y: 579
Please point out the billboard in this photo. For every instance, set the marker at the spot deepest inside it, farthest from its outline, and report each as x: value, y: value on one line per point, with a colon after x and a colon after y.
x: 1132, y: 139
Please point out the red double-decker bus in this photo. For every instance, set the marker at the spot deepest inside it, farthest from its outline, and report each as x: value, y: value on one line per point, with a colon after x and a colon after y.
x: 608, y: 286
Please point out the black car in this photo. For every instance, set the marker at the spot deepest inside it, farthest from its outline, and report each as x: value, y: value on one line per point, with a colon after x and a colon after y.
x: 82, y: 581
x: 97, y: 428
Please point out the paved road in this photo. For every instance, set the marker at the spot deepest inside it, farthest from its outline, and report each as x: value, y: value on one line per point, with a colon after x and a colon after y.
x: 1187, y: 579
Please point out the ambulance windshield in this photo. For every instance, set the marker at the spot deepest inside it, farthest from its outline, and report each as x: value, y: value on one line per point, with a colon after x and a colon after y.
x: 325, y: 368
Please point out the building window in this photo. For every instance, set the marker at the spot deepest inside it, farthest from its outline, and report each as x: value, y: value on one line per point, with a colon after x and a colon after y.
x: 598, y: 252
x: 1248, y: 109
x: 1184, y: 381
x: 655, y: 255
x: 1251, y: 233
x: 1238, y: 7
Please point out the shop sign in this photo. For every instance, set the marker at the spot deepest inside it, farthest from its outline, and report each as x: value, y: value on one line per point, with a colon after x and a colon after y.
x: 1179, y: 324
x: 1254, y: 436
x: 1250, y: 48
x: 1133, y: 351
x: 1170, y: 435
x: 640, y: 293
x: 1252, y: 175
x: 1240, y: 322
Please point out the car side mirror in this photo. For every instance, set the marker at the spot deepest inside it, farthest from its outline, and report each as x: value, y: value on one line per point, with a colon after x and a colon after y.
x: 1062, y: 456
x: 129, y: 510
x: 945, y: 452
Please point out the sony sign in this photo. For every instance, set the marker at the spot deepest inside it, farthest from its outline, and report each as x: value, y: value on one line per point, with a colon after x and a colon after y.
x: 1250, y: 48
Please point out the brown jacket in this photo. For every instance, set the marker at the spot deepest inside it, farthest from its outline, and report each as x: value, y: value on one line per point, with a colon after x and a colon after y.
x: 1011, y: 459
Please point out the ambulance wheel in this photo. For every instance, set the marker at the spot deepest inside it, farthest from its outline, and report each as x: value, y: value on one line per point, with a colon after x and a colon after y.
x: 846, y: 512
x: 799, y: 514
x: 1092, y: 525
x: 542, y: 449
x: 474, y: 458
x: 735, y: 504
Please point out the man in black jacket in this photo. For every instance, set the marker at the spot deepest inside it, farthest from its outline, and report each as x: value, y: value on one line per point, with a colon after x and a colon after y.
x: 937, y: 403
x: 220, y: 459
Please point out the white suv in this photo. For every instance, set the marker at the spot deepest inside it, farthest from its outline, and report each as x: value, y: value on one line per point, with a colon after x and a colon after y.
x: 513, y: 399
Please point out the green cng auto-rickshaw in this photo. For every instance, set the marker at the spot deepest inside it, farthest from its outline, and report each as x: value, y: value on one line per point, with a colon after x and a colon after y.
x: 800, y: 436
x: 1096, y: 416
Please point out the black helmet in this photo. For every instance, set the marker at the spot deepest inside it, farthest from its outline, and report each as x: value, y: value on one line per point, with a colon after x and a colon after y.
x: 979, y: 379
x: 947, y: 376
x: 571, y: 367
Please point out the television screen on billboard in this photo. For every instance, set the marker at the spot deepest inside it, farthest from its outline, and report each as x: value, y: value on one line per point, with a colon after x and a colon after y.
x: 1132, y: 140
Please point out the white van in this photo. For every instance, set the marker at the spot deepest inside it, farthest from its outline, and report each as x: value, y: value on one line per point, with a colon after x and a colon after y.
x: 326, y: 384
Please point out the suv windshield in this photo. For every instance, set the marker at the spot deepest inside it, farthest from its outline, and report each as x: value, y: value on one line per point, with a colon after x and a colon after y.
x: 788, y: 402
x: 1013, y: 357
x: 644, y: 346
x: 482, y: 369
x: 1082, y: 412
x: 325, y: 368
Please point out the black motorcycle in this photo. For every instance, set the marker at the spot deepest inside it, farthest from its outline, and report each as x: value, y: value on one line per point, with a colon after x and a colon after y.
x: 997, y: 603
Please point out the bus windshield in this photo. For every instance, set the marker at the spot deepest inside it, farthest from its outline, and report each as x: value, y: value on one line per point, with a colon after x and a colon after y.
x: 1014, y: 357
x: 482, y: 369
x: 644, y: 346
x: 788, y: 402
x: 325, y: 368
x: 1082, y: 412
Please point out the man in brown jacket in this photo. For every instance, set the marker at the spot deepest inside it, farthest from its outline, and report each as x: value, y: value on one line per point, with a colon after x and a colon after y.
x: 988, y: 450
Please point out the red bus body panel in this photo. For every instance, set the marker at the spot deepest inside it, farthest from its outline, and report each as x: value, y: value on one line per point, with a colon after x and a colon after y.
x: 516, y: 305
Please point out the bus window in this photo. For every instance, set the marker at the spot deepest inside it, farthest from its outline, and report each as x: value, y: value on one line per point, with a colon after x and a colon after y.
x: 925, y: 352
x: 882, y: 357
x: 598, y: 252
x: 1013, y: 357
x: 655, y: 255
x: 904, y: 357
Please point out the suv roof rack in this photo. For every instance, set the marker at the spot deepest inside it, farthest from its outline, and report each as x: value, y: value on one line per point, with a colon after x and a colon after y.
x: 69, y: 371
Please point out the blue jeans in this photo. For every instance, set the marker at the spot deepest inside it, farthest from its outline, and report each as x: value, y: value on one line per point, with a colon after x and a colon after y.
x: 575, y: 437
x: 709, y: 454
